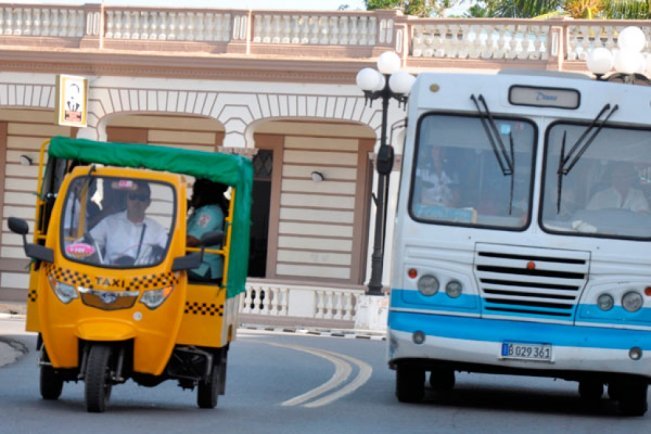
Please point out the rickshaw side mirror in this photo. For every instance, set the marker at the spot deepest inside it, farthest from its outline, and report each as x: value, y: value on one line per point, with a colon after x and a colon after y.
x: 187, y: 262
x: 34, y: 251
x: 18, y: 226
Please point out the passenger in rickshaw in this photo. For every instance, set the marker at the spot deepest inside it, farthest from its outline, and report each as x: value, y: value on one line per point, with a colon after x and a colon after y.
x: 209, y: 208
x: 129, y: 237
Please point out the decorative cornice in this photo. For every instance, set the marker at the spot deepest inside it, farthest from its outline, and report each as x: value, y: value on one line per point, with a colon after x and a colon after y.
x: 218, y: 67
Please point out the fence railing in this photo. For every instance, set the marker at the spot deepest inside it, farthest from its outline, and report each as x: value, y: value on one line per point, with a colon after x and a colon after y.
x: 277, y: 299
x: 357, y: 35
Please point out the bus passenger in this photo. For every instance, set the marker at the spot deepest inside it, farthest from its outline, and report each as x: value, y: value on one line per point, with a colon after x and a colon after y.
x: 621, y: 194
x: 436, y: 186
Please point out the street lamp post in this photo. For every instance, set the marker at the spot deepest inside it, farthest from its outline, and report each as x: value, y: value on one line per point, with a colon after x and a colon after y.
x: 629, y: 63
x: 385, y: 83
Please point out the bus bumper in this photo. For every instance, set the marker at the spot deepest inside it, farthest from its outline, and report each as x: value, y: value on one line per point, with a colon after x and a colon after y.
x: 475, y: 344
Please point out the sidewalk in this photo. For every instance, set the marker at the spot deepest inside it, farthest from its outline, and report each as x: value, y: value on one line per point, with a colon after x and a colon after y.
x: 11, y: 350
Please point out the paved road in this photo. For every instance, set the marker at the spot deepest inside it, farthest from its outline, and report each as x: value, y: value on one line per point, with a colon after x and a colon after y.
x: 303, y: 384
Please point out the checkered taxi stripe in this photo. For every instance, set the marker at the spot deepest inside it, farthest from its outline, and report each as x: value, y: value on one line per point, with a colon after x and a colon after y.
x: 154, y: 281
x: 32, y: 295
x: 71, y: 277
x: 149, y: 281
x: 197, y: 308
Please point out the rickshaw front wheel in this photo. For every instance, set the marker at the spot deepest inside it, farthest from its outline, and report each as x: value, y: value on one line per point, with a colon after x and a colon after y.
x: 51, y: 383
x: 98, y: 378
x: 207, y: 393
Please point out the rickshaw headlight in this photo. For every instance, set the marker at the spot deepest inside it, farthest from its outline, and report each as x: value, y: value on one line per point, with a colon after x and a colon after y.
x: 64, y: 292
x: 632, y: 301
x: 155, y: 297
x: 428, y: 285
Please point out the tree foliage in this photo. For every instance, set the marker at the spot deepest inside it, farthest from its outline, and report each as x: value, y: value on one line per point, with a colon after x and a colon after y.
x: 519, y: 8
x: 421, y: 8
x: 587, y: 9
x: 627, y: 9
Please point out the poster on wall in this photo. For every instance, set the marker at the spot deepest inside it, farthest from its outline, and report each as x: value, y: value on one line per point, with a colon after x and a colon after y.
x: 72, y: 100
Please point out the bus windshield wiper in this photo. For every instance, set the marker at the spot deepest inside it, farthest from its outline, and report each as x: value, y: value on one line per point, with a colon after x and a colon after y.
x: 567, y: 162
x: 505, y: 159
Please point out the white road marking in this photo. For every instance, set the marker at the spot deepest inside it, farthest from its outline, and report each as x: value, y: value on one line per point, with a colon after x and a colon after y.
x: 365, y: 371
x: 343, y: 369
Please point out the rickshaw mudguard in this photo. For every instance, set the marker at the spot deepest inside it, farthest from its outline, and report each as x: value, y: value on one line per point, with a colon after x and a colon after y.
x: 105, y: 331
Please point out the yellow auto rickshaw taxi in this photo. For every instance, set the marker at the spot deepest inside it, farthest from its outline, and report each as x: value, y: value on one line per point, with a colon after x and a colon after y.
x: 109, y: 293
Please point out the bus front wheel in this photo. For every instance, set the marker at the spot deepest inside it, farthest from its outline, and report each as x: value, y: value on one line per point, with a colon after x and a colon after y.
x: 410, y: 383
x: 632, y: 397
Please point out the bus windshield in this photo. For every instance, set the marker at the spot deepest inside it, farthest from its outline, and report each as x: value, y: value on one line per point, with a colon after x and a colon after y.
x: 117, y: 222
x: 462, y: 176
x: 606, y: 192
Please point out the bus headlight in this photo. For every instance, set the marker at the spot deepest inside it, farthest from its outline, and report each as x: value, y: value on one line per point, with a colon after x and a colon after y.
x: 632, y: 301
x: 155, y: 297
x: 64, y: 292
x: 605, y: 302
x: 428, y: 285
x: 453, y: 289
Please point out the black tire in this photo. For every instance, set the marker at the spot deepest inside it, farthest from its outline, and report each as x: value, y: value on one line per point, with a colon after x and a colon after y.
x: 51, y: 383
x: 410, y: 384
x: 591, y: 391
x: 208, y: 390
x: 632, y: 399
x: 98, y: 378
x: 442, y: 380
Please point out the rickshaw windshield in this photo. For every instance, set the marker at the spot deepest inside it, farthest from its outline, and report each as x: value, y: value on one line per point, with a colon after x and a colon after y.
x: 117, y: 222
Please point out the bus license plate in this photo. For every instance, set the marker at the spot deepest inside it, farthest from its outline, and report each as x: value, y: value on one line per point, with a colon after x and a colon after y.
x: 534, y: 352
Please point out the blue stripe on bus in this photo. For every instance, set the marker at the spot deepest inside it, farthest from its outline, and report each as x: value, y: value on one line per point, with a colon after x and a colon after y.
x: 491, y: 330
x: 440, y: 301
x: 412, y: 299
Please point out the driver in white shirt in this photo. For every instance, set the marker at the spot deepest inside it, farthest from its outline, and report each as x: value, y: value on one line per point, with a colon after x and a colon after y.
x: 128, y: 237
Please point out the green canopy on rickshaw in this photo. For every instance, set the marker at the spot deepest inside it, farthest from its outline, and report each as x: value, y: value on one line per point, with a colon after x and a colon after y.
x: 233, y: 170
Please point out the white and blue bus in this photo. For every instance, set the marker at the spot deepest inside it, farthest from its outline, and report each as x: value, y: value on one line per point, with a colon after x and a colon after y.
x: 523, y: 234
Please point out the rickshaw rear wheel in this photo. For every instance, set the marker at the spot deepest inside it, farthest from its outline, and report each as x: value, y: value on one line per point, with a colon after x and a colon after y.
x: 98, y: 378
x: 207, y: 392
x: 51, y: 383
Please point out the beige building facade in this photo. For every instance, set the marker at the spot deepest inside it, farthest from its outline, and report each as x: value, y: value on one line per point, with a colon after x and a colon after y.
x: 277, y: 86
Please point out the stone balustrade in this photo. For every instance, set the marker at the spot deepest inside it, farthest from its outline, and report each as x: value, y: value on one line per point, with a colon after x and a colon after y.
x: 481, y: 39
x: 49, y: 21
x: 179, y: 25
x: 317, y: 29
x: 584, y: 35
x: 346, y: 34
x: 274, y: 299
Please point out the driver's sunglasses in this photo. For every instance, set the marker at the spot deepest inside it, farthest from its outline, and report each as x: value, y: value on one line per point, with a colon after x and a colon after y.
x: 141, y: 197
